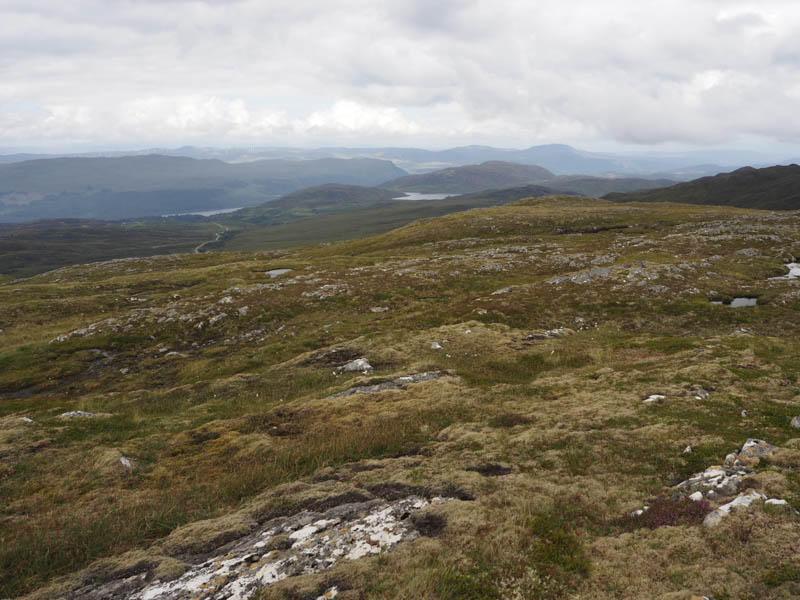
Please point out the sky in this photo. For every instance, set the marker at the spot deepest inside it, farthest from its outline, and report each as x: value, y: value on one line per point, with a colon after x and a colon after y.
x: 617, y: 74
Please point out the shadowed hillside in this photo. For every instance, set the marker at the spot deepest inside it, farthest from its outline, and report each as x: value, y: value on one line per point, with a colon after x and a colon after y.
x: 770, y: 188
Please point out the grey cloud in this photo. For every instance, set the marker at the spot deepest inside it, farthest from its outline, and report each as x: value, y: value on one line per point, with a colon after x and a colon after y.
x: 300, y: 70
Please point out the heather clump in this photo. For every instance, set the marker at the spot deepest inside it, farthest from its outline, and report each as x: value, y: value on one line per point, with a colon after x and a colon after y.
x: 665, y: 512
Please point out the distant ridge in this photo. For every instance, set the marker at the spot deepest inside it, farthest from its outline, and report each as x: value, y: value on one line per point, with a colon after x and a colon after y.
x: 558, y: 158
x: 771, y: 188
x: 471, y: 178
x: 494, y: 175
x: 134, y: 186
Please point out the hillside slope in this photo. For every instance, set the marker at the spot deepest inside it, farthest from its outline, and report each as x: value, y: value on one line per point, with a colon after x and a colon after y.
x: 533, y: 376
x: 770, y: 188
x: 311, y: 201
x: 368, y: 221
x: 600, y: 186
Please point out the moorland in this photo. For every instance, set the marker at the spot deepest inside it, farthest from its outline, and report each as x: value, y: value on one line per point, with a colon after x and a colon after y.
x: 512, y: 401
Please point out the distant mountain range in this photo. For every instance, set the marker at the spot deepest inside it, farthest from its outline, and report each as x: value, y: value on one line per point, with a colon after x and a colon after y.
x: 494, y: 175
x: 772, y: 188
x: 558, y: 158
x: 133, y: 186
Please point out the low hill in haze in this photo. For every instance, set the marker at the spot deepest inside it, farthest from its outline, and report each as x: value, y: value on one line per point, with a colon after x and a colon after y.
x: 471, y: 178
x: 493, y: 175
x: 586, y: 185
x: 321, y: 199
x: 133, y: 186
x: 773, y: 188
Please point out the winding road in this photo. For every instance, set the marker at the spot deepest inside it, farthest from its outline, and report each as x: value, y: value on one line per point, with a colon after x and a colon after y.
x: 199, y: 249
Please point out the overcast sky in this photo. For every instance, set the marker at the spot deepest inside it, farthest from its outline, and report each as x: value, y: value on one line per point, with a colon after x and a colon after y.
x: 594, y: 73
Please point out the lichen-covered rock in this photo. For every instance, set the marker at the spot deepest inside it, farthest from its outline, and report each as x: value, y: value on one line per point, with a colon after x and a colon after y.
x: 751, y: 453
x: 743, y: 500
x: 309, y: 543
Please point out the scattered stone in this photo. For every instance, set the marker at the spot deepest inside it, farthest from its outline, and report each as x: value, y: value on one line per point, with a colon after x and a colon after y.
x: 436, y: 346
x: 715, y: 480
x: 697, y: 496
x: 744, y: 414
x: 700, y: 394
x: 273, y: 273
x: 126, y: 463
x: 242, y: 311
x: 75, y: 413
x: 379, y: 309
x: 398, y: 383
x: 776, y: 502
x: 217, y: 318
x: 226, y: 300
x: 26, y: 419
x: 687, y: 450
x: 653, y: 398
x: 744, y: 500
x: 550, y: 334
x: 359, y: 364
x: 795, y: 422
x: 504, y: 290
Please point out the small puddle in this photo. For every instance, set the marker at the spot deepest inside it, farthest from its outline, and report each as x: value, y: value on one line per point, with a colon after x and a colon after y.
x: 277, y: 272
x: 794, y: 272
x: 738, y: 302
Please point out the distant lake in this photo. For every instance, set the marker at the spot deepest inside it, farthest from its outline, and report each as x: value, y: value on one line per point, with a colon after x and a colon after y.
x: 416, y: 196
x: 205, y: 213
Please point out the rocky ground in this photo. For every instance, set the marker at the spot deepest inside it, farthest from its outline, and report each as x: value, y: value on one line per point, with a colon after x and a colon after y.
x: 559, y: 398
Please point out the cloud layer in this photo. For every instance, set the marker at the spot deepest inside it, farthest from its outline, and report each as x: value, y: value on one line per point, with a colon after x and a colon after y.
x: 418, y: 71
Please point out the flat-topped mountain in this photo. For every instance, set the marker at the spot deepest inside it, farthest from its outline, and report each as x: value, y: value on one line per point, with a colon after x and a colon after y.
x: 131, y: 186
x: 471, y: 178
x: 773, y: 188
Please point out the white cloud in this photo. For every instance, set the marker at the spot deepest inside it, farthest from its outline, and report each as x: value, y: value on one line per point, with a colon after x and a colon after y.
x: 305, y: 72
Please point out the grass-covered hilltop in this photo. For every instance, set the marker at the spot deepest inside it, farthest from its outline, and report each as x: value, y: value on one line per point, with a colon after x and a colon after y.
x: 560, y: 397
